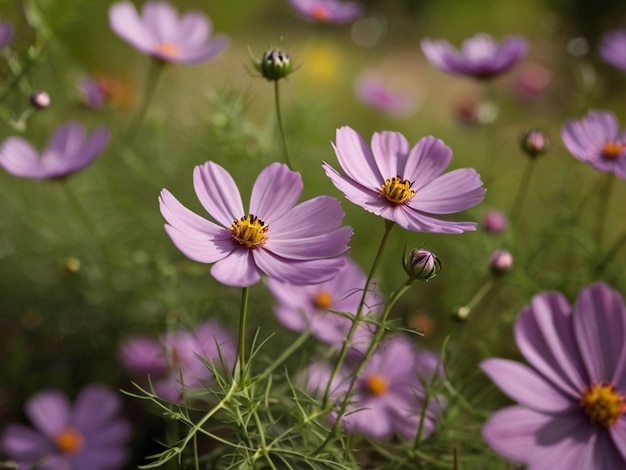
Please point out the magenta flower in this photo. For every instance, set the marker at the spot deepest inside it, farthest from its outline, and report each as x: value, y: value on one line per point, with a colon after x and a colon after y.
x: 160, y: 33
x: 572, y: 398
x: 89, y: 435
x: 613, y: 48
x: 68, y: 151
x: 327, y: 11
x: 373, y: 92
x: 389, y: 397
x: 179, y: 353
x: 597, y: 140
x: 480, y: 56
x: 6, y: 33
x: 322, y: 308
x: 299, y: 244
x: 403, y: 184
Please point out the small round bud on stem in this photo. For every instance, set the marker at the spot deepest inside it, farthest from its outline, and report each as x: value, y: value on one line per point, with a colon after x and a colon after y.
x: 274, y: 65
x: 494, y: 221
x: 462, y: 313
x: 501, y: 262
x: 40, y: 99
x: 534, y: 143
x: 421, y: 264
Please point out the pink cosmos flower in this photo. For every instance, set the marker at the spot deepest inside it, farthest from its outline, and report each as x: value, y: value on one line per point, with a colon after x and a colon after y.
x: 373, y: 92
x: 597, y: 140
x: 160, y: 33
x: 327, y: 11
x: 403, y: 184
x: 572, y: 398
x: 389, y: 397
x: 299, y: 244
x: 480, y: 56
x: 88, y: 435
x: 6, y: 33
x: 179, y: 354
x: 613, y: 48
x: 69, y: 150
x: 322, y: 308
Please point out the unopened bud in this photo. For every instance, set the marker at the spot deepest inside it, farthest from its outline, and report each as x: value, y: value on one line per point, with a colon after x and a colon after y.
x: 274, y: 65
x: 501, y: 262
x: 422, y: 265
x: 71, y: 265
x: 40, y: 99
x: 534, y: 143
x: 494, y: 221
x: 462, y: 313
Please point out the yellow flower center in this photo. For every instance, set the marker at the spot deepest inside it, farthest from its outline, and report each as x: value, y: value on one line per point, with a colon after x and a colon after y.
x: 249, y: 231
x: 323, y: 300
x: 376, y: 384
x: 396, y: 190
x: 320, y: 13
x: 613, y: 149
x: 603, y: 404
x: 167, y: 49
x: 69, y: 441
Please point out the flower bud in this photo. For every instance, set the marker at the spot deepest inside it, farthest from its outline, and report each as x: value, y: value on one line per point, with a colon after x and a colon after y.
x: 494, y: 221
x: 422, y: 265
x: 462, y: 313
x: 40, y: 99
x: 501, y: 262
x: 274, y: 65
x: 534, y: 143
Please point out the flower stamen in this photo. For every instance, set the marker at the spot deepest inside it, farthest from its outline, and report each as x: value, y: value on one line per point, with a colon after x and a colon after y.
x: 320, y: 13
x: 167, y: 49
x: 396, y: 190
x: 69, y: 441
x: 603, y: 404
x: 376, y: 384
x: 613, y: 149
x: 323, y: 300
x: 249, y: 231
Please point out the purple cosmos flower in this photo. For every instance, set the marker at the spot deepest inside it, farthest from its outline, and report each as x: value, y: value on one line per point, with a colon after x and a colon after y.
x: 68, y: 151
x: 389, y: 397
x: 572, y: 398
x: 179, y: 354
x: 299, y: 244
x: 373, y: 92
x: 88, y: 435
x: 613, y: 48
x: 405, y: 185
x: 480, y: 56
x: 92, y: 93
x: 327, y: 11
x: 160, y: 33
x: 6, y: 33
x: 597, y: 140
x: 322, y: 308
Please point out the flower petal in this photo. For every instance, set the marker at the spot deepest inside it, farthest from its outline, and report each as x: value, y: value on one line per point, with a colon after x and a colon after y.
x: 218, y: 193
x: 203, y: 52
x: 326, y: 245
x: 618, y: 435
x: 526, y: 386
x: 418, y: 221
x: 315, y: 216
x: 453, y: 192
x: 95, y: 408
x: 238, y: 269
x: 390, y: 153
x: 275, y: 191
x: 427, y: 160
x: 49, y: 411
x: 161, y: 19
x: 354, y: 191
x: 126, y: 23
x: 193, y: 29
x: 356, y: 158
x: 297, y: 271
x: 94, y: 145
x: 25, y: 445
x: 21, y: 159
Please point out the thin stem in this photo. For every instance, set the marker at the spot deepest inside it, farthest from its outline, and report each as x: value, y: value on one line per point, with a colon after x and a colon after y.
x: 359, y: 313
x: 152, y: 79
x: 490, y: 108
x: 521, y: 192
x: 478, y: 296
x: 603, y: 206
x: 241, y: 344
x: 610, y: 255
x: 283, y: 136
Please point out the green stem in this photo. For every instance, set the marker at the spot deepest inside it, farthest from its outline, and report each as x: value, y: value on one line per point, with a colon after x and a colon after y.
x: 610, y: 255
x: 603, y: 206
x: 152, y: 79
x: 475, y: 300
x: 359, y: 313
x: 241, y: 344
x: 521, y: 192
x: 490, y: 132
x: 283, y: 136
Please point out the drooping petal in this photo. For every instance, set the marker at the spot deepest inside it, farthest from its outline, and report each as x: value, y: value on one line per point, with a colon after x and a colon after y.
x: 20, y: 158
x: 238, y: 269
x: 525, y: 386
x: 356, y: 158
x: 427, y: 160
x: 275, y: 191
x: 545, y: 336
x: 297, y: 271
x: 49, y: 411
x: 600, y: 327
x: 126, y: 23
x: 453, y: 192
x: 390, y: 151
x: 218, y: 193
